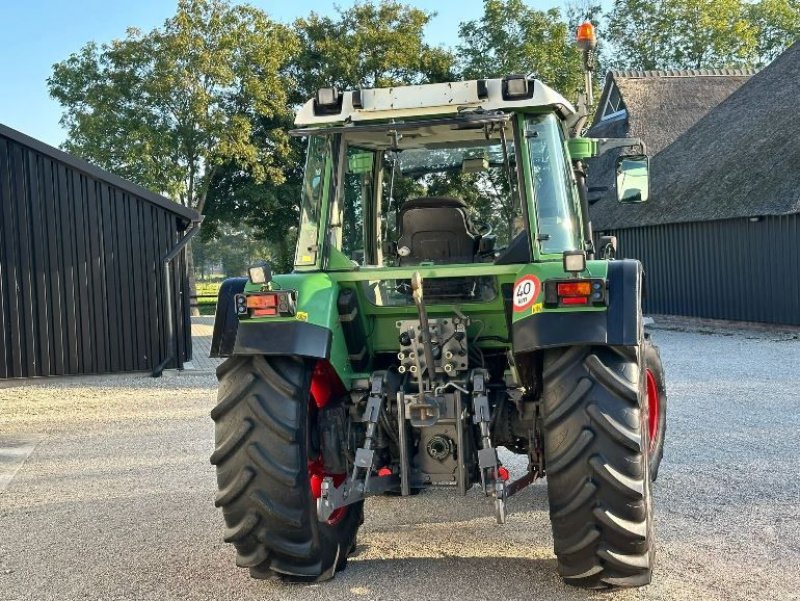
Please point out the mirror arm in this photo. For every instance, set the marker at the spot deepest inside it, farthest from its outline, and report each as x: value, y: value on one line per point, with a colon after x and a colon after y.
x: 606, y: 144
x: 577, y: 121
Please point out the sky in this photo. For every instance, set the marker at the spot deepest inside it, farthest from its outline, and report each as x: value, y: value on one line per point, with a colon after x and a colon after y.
x: 38, y: 33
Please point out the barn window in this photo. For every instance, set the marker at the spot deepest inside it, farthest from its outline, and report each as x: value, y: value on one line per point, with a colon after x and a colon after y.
x: 614, y: 107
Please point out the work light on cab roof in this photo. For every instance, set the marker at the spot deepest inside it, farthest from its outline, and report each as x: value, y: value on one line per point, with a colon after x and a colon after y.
x: 447, y: 299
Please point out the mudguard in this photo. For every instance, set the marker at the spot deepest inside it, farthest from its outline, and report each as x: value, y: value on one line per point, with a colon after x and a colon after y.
x: 263, y: 338
x: 620, y: 325
x: 283, y: 338
x: 225, y: 321
x: 315, y: 331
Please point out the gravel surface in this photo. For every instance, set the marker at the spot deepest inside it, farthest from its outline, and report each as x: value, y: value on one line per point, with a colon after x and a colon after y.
x: 115, y: 500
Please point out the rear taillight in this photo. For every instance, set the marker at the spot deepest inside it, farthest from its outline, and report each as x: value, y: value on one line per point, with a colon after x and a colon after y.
x: 261, y: 305
x: 574, y: 293
x: 572, y: 289
x: 574, y: 300
x: 265, y: 304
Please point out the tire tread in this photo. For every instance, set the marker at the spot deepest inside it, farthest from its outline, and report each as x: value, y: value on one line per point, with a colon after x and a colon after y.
x: 262, y: 472
x: 598, y: 485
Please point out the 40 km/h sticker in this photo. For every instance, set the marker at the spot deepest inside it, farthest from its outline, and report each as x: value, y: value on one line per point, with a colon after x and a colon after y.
x: 525, y: 292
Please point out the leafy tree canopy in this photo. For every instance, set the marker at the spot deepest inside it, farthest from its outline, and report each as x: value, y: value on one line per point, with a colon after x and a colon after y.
x: 368, y: 45
x: 699, y: 34
x: 778, y: 26
x: 165, y: 109
x: 511, y: 37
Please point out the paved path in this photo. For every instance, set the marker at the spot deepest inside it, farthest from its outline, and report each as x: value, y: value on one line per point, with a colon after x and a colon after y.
x: 116, y: 499
x: 202, y: 329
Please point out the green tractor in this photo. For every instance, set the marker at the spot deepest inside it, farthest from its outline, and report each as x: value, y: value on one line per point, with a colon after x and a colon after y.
x: 446, y: 301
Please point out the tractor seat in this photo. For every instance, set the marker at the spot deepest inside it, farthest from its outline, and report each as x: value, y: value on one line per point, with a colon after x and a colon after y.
x: 436, y: 229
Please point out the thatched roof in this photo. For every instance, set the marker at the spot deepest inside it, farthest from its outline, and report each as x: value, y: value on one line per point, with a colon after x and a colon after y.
x: 660, y: 106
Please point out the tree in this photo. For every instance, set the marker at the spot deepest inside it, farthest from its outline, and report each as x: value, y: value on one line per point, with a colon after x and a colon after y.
x: 698, y: 34
x: 710, y: 33
x: 511, y: 37
x: 778, y: 24
x: 168, y: 108
x: 639, y: 31
x: 165, y: 109
x: 369, y: 45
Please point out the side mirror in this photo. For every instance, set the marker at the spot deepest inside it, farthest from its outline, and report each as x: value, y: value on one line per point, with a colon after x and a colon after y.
x: 633, y: 184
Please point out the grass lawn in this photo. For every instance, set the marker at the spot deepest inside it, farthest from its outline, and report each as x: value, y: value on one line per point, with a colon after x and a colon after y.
x: 207, y: 305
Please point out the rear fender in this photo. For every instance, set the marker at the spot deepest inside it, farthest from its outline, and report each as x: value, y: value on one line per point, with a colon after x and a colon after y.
x: 620, y: 325
x: 314, y: 332
x: 226, y: 323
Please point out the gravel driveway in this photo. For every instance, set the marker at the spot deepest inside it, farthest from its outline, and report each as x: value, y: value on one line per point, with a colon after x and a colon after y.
x: 109, y: 495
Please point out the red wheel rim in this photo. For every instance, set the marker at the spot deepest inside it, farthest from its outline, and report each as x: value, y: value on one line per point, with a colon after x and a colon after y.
x: 325, y: 385
x: 316, y: 474
x: 652, y: 408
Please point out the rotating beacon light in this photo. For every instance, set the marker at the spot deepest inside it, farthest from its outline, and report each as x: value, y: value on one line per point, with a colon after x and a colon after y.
x: 587, y: 42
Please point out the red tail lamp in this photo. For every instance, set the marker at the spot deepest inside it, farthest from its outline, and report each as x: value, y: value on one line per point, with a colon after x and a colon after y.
x: 575, y: 300
x: 583, y: 288
x: 575, y: 293
x: 265, y: 304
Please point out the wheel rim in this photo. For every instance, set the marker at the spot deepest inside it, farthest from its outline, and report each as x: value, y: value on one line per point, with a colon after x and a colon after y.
x: 653, y: 402
x: 316, y: 474
x: 325, y: 385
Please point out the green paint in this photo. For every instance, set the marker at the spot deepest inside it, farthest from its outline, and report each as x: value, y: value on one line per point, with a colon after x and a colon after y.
x: 582, y: 148
x: 338, y: 261
x: 360, y: 163
x: 319, y: 283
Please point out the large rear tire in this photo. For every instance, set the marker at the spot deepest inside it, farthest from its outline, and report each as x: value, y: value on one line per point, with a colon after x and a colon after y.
x: 598, y: 476
x: 265, y: 460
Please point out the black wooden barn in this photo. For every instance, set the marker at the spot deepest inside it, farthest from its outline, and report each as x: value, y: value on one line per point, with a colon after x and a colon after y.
x: 719, y: 235
x: 92, y: 268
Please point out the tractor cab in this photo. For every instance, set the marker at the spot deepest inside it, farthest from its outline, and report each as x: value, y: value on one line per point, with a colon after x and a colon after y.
x: 482, y: 177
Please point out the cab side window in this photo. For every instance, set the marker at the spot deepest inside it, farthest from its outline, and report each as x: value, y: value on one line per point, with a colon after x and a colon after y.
x: 357, y: 195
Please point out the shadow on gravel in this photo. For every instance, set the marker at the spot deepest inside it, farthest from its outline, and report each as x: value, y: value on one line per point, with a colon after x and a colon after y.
x: 460, y: 577
x: 187, y: 380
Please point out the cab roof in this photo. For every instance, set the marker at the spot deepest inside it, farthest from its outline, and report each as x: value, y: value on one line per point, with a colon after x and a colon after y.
x: 429, y: 99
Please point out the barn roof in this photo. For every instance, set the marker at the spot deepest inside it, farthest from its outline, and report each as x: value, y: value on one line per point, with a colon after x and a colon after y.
x: 739, y: 160
x: 97, y: 173
x: 661, y: 105
x: 658, y: 107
